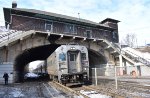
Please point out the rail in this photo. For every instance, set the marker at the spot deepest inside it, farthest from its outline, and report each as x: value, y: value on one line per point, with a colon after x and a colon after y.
x: 129, y: 55
x: 9, y: 36
x: 67, y: 89
x: 113, y: 45
x: 13, y: 33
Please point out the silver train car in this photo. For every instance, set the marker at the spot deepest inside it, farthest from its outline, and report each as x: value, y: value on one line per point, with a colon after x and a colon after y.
x: 69, y: 64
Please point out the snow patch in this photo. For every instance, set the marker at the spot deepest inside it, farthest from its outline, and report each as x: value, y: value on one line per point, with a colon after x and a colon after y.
x: 31, y: 75
x: 94, y: 94
x: 17, y: 93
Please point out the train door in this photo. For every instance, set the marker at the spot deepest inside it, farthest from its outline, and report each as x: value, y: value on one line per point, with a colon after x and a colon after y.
x: 73, y: 61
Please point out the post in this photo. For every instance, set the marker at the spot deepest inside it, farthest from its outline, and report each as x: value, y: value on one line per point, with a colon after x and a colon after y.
x: 116, y: 77
x: 120, y: 60
x: 95, y: 76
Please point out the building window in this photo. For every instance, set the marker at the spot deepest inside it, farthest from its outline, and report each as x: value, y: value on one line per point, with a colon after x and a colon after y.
x: 88, y: 33
x: 114, y: 34
x: 70, y: 28
x: 48, y: 26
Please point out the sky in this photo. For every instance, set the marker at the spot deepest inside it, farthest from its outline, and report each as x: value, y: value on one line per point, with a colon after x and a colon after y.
x: 134, y: 15
x: 35, y: 64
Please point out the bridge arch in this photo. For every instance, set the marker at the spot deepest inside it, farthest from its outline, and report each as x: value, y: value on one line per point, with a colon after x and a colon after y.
x: 29, y: 55
x: 42, y: 52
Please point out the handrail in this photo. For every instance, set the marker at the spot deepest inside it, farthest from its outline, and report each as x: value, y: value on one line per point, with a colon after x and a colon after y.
x: 8, y: 35
x: 119, y: 50
x: 13, y: 33
x: 138, y: 58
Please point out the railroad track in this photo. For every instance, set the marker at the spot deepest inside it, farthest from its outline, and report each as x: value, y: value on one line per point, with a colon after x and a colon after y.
x: 53, y: 92
x: 67, y: 90
x: 77, y: 91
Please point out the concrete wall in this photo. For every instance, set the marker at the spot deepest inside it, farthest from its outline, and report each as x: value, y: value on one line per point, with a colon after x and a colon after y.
x: 6, y: 68
x: 8, y: 53
x: 145, y: 71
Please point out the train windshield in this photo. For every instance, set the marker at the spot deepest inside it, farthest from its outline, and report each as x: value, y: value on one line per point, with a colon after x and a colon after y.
x: 83, y: 56
x: 74, y: 61
x: 62, y: 57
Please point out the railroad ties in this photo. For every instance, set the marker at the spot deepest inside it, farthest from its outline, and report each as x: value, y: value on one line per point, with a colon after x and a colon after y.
x: 84, y: 91
x: 67, y: 90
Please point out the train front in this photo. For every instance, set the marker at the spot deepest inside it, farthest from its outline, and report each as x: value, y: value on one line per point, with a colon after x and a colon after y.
x: 73, y: 64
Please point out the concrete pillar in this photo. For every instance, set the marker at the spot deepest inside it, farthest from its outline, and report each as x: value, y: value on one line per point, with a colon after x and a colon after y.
x: 120, y: 60
x: 125, y: 65
x: 15, y: 76
x: 121, y: 67
x: 6, y: 54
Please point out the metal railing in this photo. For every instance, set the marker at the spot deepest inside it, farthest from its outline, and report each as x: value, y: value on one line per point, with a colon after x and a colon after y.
x: 136, y: 57
x: 113, y: 45
x: 9, y: 36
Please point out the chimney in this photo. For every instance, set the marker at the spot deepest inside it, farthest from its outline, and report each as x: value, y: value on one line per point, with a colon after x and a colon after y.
x: 14, y: 4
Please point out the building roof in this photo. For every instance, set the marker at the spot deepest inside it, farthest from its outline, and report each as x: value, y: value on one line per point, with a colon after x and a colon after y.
x: 110, y: 20
x: 59, y: 16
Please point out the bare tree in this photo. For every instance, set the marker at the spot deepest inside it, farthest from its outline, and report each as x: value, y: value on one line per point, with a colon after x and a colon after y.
x: 130, y: 40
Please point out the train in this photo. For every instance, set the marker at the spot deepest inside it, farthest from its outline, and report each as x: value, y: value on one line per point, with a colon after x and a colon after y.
x: 69, y: 64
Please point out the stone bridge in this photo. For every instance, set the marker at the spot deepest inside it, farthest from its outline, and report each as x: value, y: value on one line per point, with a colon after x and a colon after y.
x: 22, y: 47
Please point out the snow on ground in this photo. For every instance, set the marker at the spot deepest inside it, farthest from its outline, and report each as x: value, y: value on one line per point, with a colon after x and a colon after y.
x: 31, y: 75
x: 16, y: 92
x: 94, y: 94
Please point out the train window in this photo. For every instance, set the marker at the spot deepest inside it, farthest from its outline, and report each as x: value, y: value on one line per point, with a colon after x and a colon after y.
x: 83, y: 56
x: 62, y: 57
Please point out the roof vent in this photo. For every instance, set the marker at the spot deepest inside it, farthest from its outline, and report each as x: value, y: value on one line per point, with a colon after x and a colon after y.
x: 14, y: 4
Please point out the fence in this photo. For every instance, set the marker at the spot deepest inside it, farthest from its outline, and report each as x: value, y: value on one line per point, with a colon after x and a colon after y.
x: 111, y: 75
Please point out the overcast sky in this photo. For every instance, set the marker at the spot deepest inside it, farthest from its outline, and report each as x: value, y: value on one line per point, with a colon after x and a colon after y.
x: 133, y: 14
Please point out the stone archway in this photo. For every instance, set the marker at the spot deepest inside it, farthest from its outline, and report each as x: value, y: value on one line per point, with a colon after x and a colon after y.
x: 29, y: 55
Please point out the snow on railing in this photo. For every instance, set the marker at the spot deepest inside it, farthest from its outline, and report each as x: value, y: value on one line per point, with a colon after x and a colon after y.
x: 113, y: 45
x: 136, y: 57
x: 132, y: 56
x: 9, y: 35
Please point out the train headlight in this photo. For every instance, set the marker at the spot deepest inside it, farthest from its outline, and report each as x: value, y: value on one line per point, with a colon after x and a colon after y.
x: 85, y: 69
x: 72, y: 48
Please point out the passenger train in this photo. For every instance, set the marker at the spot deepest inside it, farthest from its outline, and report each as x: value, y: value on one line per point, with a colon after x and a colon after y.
x: 69, y: 64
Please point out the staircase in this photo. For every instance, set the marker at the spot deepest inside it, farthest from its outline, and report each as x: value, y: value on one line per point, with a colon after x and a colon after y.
x: 137, y: 58
x: 13, y: 35
x: 128, y: 55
